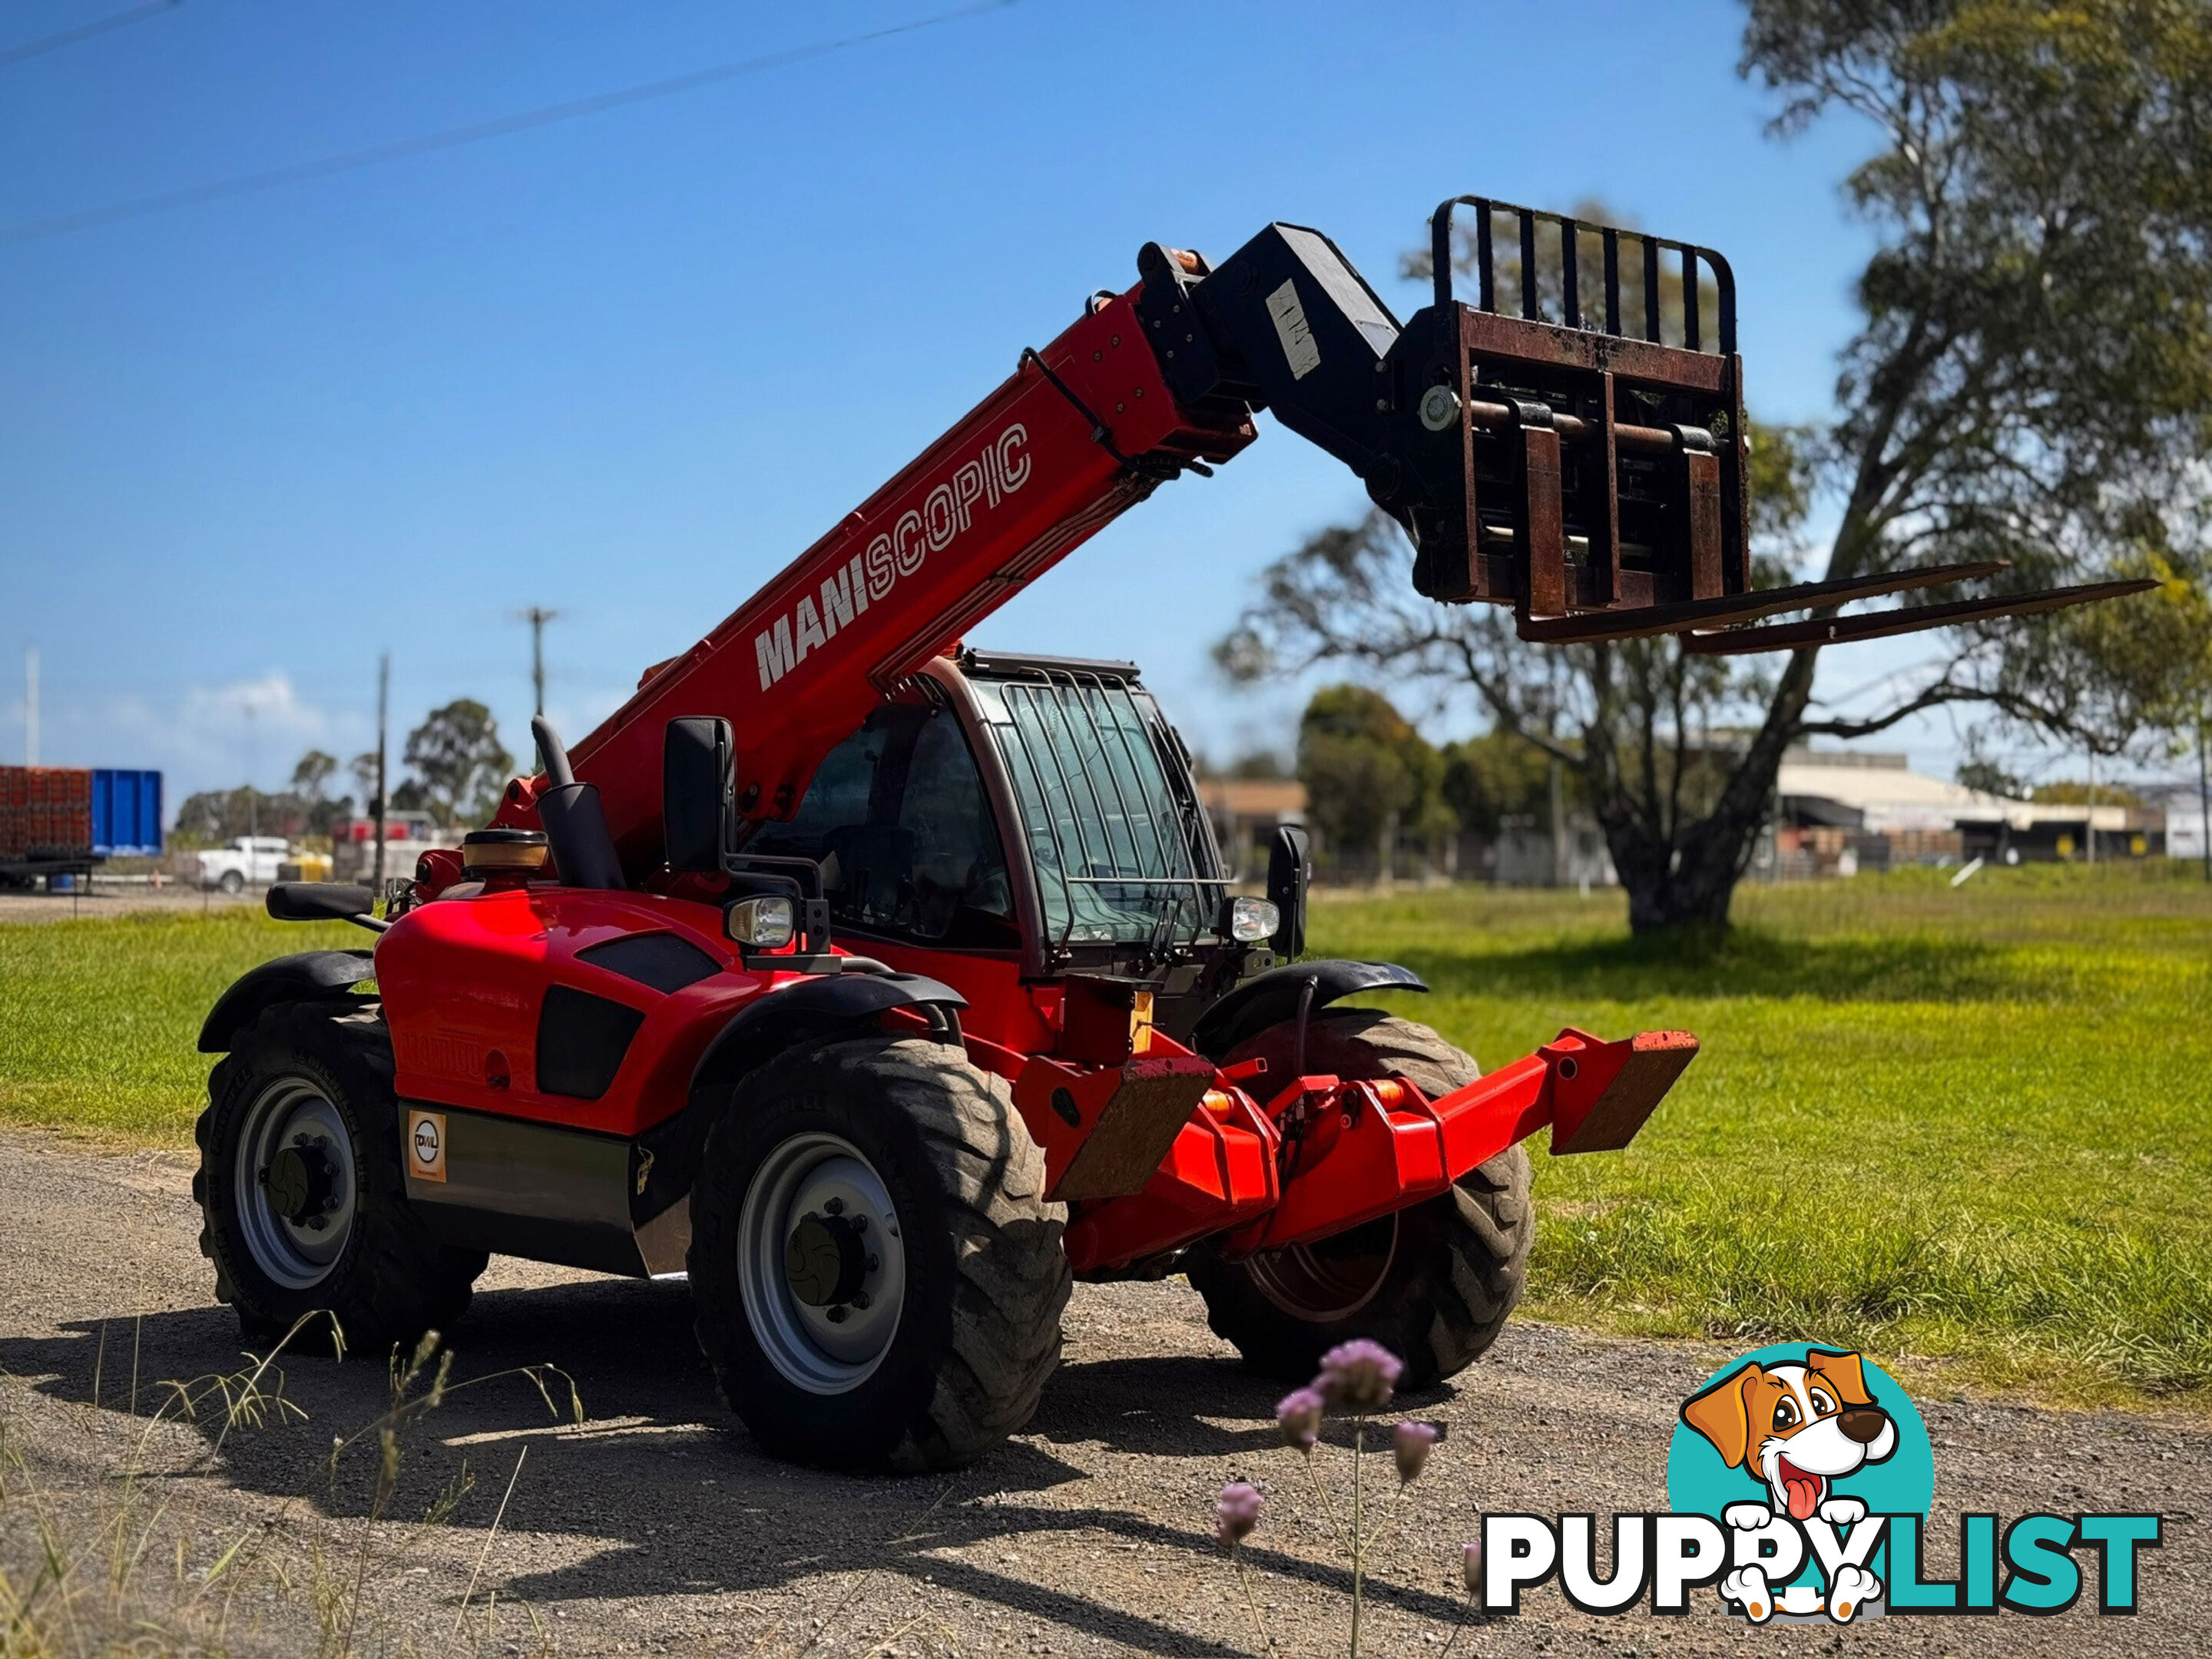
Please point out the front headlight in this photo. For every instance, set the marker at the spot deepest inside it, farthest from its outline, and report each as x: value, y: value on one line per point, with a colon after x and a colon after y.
x: 763, y: 924
x: 1251, y: 919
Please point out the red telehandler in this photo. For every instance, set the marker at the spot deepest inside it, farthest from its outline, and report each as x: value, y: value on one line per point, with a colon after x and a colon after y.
x: 886, y: 987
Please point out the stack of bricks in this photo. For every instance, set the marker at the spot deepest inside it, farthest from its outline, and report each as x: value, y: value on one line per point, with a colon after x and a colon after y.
x: 44, y: 810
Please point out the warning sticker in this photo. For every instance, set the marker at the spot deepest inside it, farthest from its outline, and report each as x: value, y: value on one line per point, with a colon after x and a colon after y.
x: 426, y: 1146
x: 1291, y: 327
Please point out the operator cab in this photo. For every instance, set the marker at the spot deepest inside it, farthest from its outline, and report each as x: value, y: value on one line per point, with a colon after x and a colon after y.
x: 1036, y: 807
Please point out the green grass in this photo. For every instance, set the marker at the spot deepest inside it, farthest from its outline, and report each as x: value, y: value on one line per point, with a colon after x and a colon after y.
x: 99, y: 1019
x: 1963, y: 1130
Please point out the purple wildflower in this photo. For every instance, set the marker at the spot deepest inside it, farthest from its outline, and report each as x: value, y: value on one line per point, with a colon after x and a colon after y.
x: 1358, y: 1376
x: 1299, y: 1417
x: 1470, y: 1563
x: 1236, y: 1512
x: 1411, y: 1442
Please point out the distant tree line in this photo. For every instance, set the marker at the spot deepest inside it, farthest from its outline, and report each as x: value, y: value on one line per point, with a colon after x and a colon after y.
x: 1377, y: 788
x: 454, y: 767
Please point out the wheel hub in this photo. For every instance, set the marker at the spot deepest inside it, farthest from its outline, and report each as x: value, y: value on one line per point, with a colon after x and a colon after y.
x: 297, y: 1188
x: 821, y: 1262
x: 302, y: 1182
x: 824, y: 1259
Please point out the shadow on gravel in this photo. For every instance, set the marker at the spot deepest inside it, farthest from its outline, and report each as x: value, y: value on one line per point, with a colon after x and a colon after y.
x: 676, y: 1495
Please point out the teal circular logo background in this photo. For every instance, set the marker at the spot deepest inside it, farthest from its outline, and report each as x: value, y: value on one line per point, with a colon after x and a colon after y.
x: 1700, y: 1482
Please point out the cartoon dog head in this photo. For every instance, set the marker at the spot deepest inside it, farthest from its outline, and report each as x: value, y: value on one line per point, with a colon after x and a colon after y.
x: 1799, y: 1427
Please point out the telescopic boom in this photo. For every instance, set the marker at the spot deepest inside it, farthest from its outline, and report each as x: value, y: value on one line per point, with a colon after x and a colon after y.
x: 1581, y: 461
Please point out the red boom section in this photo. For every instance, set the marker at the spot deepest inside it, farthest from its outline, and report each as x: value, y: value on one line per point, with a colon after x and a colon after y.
x: 1025, y: 477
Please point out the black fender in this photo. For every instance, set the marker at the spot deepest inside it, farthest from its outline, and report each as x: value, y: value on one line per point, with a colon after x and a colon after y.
x: 805, y: 1011
x: 311, y: 976
x: 1271, y: 998
x: 809, y: 1009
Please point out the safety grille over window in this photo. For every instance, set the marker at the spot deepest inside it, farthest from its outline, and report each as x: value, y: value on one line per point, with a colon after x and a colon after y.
x: 1123, y: 852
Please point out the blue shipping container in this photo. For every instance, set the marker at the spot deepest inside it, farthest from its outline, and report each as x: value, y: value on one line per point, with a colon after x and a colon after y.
x: 126, y: 813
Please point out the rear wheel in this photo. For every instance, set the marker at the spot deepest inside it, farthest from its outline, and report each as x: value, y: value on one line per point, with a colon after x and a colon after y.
x: 231, y: 882
x: 302, y: 1203
x: 1434, y: 1283
x: 877, y: 1276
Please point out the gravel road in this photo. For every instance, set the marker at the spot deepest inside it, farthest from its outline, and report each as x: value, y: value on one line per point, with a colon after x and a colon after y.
x: 119, y: 899
x: 657, y: 1526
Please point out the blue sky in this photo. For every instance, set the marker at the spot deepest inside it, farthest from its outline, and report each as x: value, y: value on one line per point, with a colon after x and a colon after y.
x: 627, y: 365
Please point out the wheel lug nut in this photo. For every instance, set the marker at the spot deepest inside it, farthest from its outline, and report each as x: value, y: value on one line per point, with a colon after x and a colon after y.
x: 859, y: 1224
x: 860, y: 1298
x: 837, y: 1315
x: 836, y: 1206
x: 874, y: 1263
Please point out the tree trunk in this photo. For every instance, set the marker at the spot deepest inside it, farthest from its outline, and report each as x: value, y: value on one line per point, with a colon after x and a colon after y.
x: 1688, y: 887
x: 1684, y: 876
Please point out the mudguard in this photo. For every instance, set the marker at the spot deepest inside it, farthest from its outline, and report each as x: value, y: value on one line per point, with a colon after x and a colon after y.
x: 1274, y: 997
x: 310, y: 976
x: 807, y: 1010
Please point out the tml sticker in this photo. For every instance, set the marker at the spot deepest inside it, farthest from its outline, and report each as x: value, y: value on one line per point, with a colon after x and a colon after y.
x: 426, y: 1146
x: 1291, y: 325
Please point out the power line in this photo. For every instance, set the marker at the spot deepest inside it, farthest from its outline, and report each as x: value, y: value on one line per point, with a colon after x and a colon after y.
x: 86, y: 31
x: 476, y: 132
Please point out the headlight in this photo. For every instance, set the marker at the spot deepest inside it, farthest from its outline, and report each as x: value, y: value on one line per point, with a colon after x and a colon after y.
x: 1251, y: 919
x: 763, y: 924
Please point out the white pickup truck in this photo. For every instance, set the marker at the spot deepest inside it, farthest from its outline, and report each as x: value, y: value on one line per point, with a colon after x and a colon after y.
x: 242, y: 860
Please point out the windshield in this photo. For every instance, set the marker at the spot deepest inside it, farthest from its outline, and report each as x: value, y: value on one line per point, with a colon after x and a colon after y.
x: 1123, y: 854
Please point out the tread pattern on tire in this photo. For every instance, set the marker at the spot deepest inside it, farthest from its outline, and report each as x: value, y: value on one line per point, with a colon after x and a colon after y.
x: 1011, y: 1279
x: 1461, y: 1257
x: 395, y: 1281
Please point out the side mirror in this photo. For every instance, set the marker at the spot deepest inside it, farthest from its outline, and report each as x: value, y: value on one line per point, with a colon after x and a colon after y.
x: 1289, y: 872
x: 698, y: 781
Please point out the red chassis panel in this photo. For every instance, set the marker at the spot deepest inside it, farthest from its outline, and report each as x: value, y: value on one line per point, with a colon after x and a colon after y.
x: 463, y: 981
x: 1151, y: 1155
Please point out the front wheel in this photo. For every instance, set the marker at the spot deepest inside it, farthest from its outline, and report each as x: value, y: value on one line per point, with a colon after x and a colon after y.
x: 1434, y: 1283
x: 231, y: 882
x: 302, y: 1203
x: 877, y: 1277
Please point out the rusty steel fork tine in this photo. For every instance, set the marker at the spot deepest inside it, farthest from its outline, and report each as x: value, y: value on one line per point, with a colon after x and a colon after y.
x: 1590, y: 627
x: 1909, y: 619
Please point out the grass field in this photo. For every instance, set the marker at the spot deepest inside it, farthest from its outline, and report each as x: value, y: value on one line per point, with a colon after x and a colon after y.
x: 1966, y: 1130
x: 99, y: 1019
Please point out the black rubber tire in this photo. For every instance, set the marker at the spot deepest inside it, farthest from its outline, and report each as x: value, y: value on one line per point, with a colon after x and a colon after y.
x: 231, y: 882
x: 1455, y: 1264
x: 393, y: 1281
x: 986, y: 1276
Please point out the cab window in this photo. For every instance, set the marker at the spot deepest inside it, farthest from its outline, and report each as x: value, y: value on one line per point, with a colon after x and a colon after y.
x: 897, y: 818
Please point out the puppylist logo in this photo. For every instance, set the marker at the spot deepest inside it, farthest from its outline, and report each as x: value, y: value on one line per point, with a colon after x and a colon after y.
x: 1798, y: 1487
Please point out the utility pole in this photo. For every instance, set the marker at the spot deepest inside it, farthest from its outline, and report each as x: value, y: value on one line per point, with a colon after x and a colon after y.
x: 538, y: 615
x: 30, y: 705
x: 2089, y: 823
x: 253, y: 794
x: 1559, y: 814
x: 383, y: 703
x: 2204, y: 788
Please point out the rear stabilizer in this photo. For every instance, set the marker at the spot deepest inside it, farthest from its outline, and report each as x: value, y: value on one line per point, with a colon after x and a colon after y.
x: 1602, y: 1092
